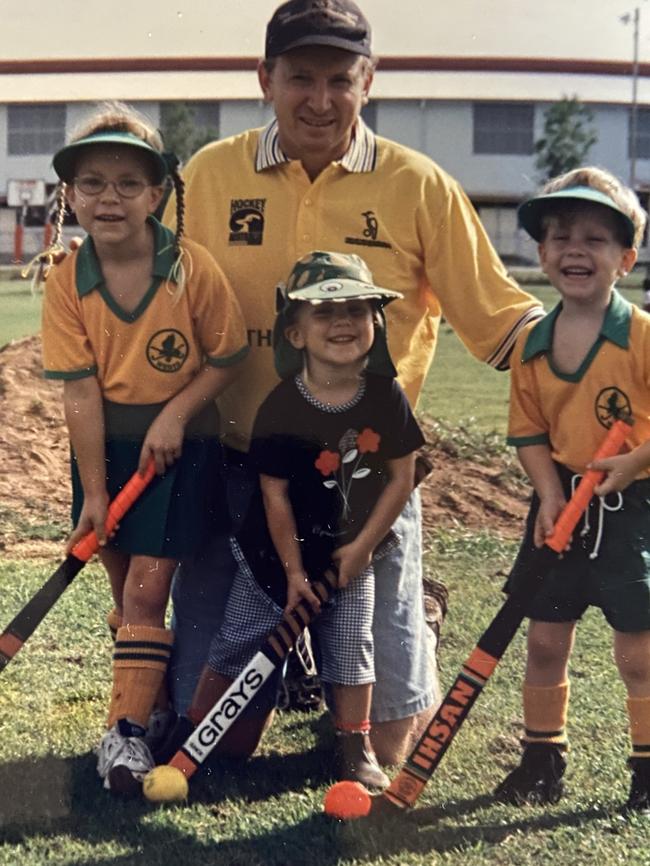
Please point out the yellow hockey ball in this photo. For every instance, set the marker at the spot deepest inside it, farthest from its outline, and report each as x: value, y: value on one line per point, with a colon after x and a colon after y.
x: 165, y: 784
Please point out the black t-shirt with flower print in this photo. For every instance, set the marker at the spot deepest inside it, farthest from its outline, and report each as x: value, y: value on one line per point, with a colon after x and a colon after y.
x: 335, y: 461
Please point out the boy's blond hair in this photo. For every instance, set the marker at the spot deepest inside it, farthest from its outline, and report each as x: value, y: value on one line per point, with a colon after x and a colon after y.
x: 604, y: 181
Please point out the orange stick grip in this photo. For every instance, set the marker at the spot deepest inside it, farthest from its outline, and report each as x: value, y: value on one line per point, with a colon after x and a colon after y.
x: 133, y: 489
x: 574, y: 509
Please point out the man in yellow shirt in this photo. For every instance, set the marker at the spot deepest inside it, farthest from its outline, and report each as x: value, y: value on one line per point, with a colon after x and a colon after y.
x: 317, y: 178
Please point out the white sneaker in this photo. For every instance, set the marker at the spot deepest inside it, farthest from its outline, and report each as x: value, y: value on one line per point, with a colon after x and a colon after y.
x: 123, y: 762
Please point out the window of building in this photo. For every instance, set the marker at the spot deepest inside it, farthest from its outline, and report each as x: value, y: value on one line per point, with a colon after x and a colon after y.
x: 503, y: 127
x: 35, y: 129
x: 642, y: 134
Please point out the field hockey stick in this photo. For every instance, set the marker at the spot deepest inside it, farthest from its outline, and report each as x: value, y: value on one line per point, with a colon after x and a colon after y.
x: 205, y: 737
x: 25, y: 623
x: 410, y: 781
x: 241, y: 692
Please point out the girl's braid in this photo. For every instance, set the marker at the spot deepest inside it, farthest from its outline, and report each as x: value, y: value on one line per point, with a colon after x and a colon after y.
x: 179, y: 189
x: 59, y: 215
x: 42, y: 262
x: 182, y: 268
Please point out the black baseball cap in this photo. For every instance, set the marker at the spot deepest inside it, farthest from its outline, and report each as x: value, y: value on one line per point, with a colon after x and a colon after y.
x: 337, y: 23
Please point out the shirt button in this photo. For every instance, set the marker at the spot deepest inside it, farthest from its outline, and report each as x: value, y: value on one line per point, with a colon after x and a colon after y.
x: 306, y: 237
x: 307, y: 202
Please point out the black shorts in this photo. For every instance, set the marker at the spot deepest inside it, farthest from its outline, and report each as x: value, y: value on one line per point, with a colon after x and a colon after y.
x: 616, y: 579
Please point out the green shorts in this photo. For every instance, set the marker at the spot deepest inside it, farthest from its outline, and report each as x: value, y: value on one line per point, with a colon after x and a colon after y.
x: 616, y: 579
x: 179, y: 511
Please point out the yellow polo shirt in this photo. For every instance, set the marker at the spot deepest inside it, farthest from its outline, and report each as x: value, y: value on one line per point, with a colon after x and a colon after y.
x: 571, y: 412
x: 148, y: 355
x: 258, y: 212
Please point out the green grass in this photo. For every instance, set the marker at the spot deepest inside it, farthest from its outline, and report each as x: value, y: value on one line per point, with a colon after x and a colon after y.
x: 21, y: 310
x: 53, y: 699
x: 53, y: 810
x: 461, y: 390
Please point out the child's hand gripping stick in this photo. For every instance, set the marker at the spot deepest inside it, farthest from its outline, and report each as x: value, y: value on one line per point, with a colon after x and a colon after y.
x: 169, y: 781
x: 575, y: 508
x: 132, y: 490
x: 24, y: 623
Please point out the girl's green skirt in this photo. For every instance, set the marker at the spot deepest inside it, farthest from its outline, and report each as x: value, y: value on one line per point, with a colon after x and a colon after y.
x: 180, y: 510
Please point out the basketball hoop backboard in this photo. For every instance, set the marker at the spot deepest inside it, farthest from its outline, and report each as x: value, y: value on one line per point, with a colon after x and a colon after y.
x: 25, y: 192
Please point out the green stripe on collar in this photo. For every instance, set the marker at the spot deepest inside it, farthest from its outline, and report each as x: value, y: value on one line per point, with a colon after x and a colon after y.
x: 615, y: 327
x: 88, y: 269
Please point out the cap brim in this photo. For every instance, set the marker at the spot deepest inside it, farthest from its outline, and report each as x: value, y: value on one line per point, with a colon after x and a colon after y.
x: 65, y: 160
x: 531, y: 214
x: 329, y: 41
x: 342, y: 290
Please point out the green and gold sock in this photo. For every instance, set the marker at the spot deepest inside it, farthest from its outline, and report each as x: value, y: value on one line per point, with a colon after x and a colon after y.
x: 545, y: 714
x: 638, y: 710
x: 140, y: 661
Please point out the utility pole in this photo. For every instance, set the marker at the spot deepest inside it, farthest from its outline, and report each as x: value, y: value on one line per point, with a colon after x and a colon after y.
x: 634, y: 18
x: 634, y: 106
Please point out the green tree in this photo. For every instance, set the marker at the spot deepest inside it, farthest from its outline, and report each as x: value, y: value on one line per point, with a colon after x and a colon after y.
x: 181, y: 132
x: 568, y: 137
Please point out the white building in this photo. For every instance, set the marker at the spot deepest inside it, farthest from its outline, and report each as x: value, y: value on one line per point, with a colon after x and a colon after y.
x: 466, y: 82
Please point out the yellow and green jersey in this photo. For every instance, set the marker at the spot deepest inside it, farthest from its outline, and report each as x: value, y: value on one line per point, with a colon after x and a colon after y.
x: 570, y: 412
x: 258, y: 213
x: 150, y: 354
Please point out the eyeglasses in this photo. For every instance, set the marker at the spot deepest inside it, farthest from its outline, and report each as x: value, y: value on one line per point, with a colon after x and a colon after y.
x: 125, y: 187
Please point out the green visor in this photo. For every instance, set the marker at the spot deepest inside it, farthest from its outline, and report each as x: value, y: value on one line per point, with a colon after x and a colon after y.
x: 531, y: 213
x: 325, y: 276
x: 65, y: 160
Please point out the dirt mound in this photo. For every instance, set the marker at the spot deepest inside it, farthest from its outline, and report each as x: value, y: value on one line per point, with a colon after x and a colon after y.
x: 34, y: 481
x: 489, y: 494
x: 34, y: 485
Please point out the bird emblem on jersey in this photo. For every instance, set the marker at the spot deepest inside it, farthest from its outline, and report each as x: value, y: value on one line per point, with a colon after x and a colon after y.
x: 611, y: 404
x: 167, y: 350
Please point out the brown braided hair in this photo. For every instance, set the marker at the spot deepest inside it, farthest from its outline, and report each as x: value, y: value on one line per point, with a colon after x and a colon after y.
x: 43, y: 261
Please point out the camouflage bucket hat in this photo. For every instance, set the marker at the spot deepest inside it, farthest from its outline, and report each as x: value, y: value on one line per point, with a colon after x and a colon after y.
x: 326, y: 276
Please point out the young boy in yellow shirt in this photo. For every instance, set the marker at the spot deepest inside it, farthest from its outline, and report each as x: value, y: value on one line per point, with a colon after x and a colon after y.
x: 573, y: 373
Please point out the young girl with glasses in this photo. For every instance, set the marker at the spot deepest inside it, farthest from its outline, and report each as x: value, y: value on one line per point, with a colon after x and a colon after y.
x: 144, y: 331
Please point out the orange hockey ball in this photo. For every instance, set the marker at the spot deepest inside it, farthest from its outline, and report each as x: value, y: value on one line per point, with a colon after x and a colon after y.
x: 347, y: 801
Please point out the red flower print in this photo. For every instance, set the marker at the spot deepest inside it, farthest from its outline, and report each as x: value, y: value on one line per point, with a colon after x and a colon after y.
x: 328, y: 462
x: 368, y: 440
